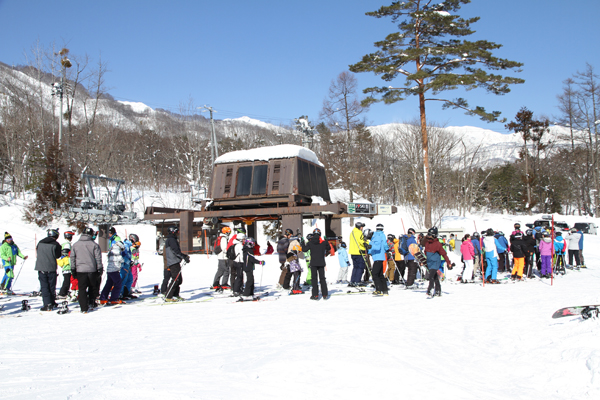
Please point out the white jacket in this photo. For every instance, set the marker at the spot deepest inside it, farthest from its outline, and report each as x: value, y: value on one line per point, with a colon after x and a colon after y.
x: 573, y: 240
x: 223, y: 243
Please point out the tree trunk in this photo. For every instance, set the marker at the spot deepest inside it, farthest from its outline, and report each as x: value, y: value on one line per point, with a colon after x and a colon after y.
x: 426, y: 169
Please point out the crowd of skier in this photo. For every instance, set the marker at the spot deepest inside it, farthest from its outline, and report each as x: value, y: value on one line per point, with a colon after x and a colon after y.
x: 385, y: 259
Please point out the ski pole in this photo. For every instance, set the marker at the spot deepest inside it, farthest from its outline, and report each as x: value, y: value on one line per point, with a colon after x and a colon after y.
x: 175, y: 280
x: 17, y: 277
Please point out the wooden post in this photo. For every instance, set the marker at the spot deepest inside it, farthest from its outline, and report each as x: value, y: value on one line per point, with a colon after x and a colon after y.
x: 186, y: 231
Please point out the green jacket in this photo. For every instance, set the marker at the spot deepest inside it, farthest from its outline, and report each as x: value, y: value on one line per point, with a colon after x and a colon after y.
x: 9, y: 253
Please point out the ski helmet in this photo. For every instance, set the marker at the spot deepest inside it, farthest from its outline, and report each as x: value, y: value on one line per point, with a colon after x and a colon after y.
x: 379, y: 227
x: 53, y: 233
x: 489, y: 232
x: 359, y: 224
x: 500, y: 233
x: 134, y: 238
x: 68, y: 235
x: 241, y: 236
x: 317, y: 232
x: 558, y: 233
x: 433, y: 231
x: 476, y: 235
x: 309, y: 236
x: 391, y: 237
x: 290, y: 232
x: 517, y: 226
x: 65, y: 252
x: 573, y: 230
x: 249, y: 243
x: 546, y: 234
x: 112, y: 230
x: 89, y: 231
x: 226, y: 230
x: 529, y: 232
x: 343, y: 244
x: 173, y: 230
x: 411, y: 231
x: 368, y: 234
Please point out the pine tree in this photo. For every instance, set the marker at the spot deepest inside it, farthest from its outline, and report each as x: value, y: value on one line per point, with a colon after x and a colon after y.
x: 430, y: 55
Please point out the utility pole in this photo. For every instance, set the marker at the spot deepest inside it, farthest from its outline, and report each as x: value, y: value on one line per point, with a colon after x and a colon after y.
x: 59, y: 88
x: 214, y: 150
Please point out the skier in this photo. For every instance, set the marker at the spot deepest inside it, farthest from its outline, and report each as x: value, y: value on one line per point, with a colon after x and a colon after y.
x: 546, y: 255
x: 581, y: 259
x: 282, y: 249
x: 476, y: 242
x: 434, y: 252
x: 518, y: 247
x: 8, y: 253
x: 573, y: 245
x: 114, y: 263
x: 319, y: 249
x: 238, y: 262
x: 65, y: 264
x: 468, y: 253
x: 503, y: 260
x: 248, y: 261
x: 344, y: 263
x: 491, y: 247
x: 357, y: 253
x: 48, y: 250
x: 174, y: 258
x: 378, y: 250
x: 86, y: 266
x: 395, y: 262
x: 224, y: 264
x: 560, y: 246
x: 126, y: 273
x: 530, y: 248
x: 295, y: 248
x: 409, y: 259
x: 136, y: 267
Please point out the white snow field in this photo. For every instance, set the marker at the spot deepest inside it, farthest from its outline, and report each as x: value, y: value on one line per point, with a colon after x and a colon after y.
x: 492, y: 342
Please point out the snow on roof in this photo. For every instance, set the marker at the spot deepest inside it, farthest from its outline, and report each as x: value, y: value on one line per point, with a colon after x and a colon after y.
x: 136, y: 106
x: 269, y: 153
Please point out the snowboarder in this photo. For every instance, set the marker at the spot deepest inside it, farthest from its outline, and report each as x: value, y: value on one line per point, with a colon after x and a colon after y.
x: 48, y: 250
x: 8, y: 253
x: 378, y: 250
x: 86, y: 266
x: 319, y: 249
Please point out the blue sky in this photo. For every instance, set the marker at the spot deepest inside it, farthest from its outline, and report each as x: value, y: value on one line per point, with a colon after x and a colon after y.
x: 275, y: 60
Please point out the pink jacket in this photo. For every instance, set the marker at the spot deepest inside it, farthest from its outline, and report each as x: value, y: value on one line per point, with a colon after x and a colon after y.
x: 546, y: 247
x: 467, y: 250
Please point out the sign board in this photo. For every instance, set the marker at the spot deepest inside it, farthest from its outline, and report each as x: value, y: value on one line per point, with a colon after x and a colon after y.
x: 362, y: 208
x: 384, y: 209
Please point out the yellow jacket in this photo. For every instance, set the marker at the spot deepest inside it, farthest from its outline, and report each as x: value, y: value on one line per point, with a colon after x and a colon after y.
x: 357, y: 242
x: 397, y: 254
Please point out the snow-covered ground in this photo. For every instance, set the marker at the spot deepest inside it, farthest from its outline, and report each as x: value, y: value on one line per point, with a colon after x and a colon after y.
x: 492, y: 342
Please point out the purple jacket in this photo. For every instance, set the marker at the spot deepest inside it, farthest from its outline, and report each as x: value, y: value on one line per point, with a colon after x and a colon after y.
x: 546, y: 247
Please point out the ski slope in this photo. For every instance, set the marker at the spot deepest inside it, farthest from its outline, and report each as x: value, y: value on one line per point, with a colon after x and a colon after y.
x: 492, y: 342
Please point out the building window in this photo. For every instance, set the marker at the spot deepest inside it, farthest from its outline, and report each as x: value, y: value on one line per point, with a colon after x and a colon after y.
x: 244, y: 181
x: 259, y: 179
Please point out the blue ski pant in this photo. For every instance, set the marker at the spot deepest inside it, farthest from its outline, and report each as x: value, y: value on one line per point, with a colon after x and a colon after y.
x: 358, y: 267
x: 491, y: 272
x: 126, y: 279
x: 112, y: 286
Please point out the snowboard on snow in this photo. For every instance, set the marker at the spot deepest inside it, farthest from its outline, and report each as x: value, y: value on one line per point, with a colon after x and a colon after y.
x: 586, y: 312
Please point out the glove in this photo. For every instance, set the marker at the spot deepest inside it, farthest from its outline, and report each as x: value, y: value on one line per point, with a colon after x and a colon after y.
x: 100, y: 271
x: 262, y: 263
x: 131, y: 263
x: 73, y: 273
x: 187, y: 259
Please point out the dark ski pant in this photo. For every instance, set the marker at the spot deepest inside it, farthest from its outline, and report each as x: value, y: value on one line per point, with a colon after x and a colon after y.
x: 434, y: 281
x: 239, y: 279
x: 296, y: 284
x: 64, y: 289
x: 249, y: 287
x: 503, y: 263
x: 88, y: 284
x: 223, y: 272
x: 285, y: 277
x: 574, y: 253
x: 175, y: 282
x: 165, y: 283
x: 528, y: 266
x: 378, y: 277
x: 412, y: 267
x: 358, y: 267
x: 318, y: 274
x: 112, y: 286
x: 48, y: 285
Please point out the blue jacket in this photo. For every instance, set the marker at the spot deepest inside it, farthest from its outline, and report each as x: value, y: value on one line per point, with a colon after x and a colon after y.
x: 476, y: 246
x: 503, y: 243
x: 559, y: 245
x: 580, y: 240
x: 379, y: 246
x: 410, y: 240
x: 501, y: 248
x: 126, y: 254
x: 343, y: 257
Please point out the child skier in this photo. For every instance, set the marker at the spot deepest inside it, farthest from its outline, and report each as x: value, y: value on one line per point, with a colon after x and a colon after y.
x: 248, y: 261
x: 344, y: 264
x: 296, y: 270
x: 546, y: 255
x: 113, y: 274
x: 65, y: 264
x: 9, y: 252
x: 468, y: 253
x: 136, y: 267
x: 559, y: 253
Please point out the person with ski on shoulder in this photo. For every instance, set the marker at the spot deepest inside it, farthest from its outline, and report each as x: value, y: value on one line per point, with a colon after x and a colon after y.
x: 86, y: 266
x: 378, y: 250
x: 468, y: 254
x: 319, y: 249
x: 48, y: 251
x: 545, y: 248
x: 64, y: 262
x: 224, y: 264
x: 491, y: 248
x: 434, y: 251
x: 174, y: 257
x: 357, y: 253
x: 8, y: 253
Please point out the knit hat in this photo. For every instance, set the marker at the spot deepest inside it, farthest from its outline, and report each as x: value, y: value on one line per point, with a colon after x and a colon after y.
x: 7, y: 236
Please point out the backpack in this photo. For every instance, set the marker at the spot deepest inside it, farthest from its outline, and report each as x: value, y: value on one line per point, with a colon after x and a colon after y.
x: 231, y: 252
x: 403, y: 245
x: 217, y: 249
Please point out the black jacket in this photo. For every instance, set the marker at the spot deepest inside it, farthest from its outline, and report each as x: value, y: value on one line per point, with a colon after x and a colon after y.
x: 282, y: 249
x: 319, y: 249
x: 518, y: 248
x: 173, y: 251
x: 530, y: 243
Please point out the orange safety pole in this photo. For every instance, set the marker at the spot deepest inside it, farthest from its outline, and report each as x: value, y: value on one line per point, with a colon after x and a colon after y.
x: 552, y: 270
x: 403, y: 226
